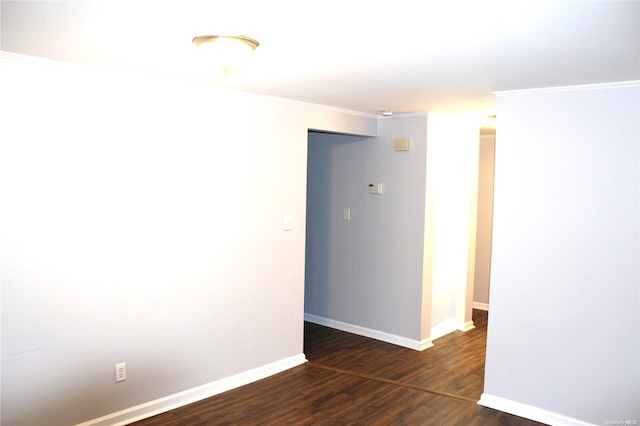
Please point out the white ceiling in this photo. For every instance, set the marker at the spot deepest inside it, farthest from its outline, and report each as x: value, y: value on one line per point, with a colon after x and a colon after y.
x: 369, y: 56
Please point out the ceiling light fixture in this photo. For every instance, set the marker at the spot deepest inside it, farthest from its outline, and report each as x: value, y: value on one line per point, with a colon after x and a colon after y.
x: 228, y: 52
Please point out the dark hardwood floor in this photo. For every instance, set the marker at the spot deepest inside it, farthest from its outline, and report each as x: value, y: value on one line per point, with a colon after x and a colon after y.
x: 454, y: 366
x: 354, y: 380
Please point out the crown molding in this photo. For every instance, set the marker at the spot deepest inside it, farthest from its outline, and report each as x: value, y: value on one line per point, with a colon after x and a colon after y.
x: 26, y: 58
x: 46, y: 61
x: 559, y: 89
x: 403, y: 115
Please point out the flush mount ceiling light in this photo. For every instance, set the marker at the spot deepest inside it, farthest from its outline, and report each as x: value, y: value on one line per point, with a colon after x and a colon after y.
x: 226, y: 52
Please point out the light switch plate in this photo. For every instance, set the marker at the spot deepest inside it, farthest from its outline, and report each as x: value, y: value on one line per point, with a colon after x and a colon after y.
x: 287, y: 223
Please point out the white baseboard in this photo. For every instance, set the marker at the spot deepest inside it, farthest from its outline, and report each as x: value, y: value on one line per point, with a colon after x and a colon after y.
x: 469, y: 325
x: 448, y: 326
x: 418, y: 345
x: 481, y: 306
x: 189, y: 396
x: 443, y: 328
x: 528, y: 411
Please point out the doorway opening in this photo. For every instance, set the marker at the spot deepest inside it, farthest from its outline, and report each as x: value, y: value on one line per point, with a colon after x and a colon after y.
x: 337, y: 202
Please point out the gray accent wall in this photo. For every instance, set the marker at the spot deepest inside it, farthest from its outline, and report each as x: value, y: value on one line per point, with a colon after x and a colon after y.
x: 367, y: 271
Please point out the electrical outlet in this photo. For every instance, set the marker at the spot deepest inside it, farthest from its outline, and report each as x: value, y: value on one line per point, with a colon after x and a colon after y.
x: 346, y: 213
x: 121, y: 372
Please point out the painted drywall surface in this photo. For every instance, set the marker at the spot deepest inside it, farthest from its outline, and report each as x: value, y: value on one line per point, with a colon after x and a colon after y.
x: 349, y: 123
x: 335, y: 180
x: 564, y: 331
x: 485, y: 219
x: 367, y: 271
x: 142, y: 223
x: 452, y: 167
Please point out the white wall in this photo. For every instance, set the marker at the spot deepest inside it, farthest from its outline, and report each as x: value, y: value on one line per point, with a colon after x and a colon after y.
x: 367, y: 271
x: 450, y: 223
x: 482, y: 275
x: 142, y: 223
x: 564, y: 331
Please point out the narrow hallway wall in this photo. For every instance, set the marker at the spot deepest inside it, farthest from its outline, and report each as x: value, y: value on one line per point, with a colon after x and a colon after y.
x: 482, y: 274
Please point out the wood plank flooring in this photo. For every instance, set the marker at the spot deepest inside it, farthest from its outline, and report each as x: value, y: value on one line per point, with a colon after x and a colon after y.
x: 455, y: 365
x: 353, y: 380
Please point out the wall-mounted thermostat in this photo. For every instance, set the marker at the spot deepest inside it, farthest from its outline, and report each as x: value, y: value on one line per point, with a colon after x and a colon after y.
x: 375, y: 188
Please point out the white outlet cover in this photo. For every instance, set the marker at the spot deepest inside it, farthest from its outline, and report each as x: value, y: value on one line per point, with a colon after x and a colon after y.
x: 121, y: 372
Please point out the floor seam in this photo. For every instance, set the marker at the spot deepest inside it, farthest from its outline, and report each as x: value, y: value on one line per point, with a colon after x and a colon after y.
x: 390, y: 382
